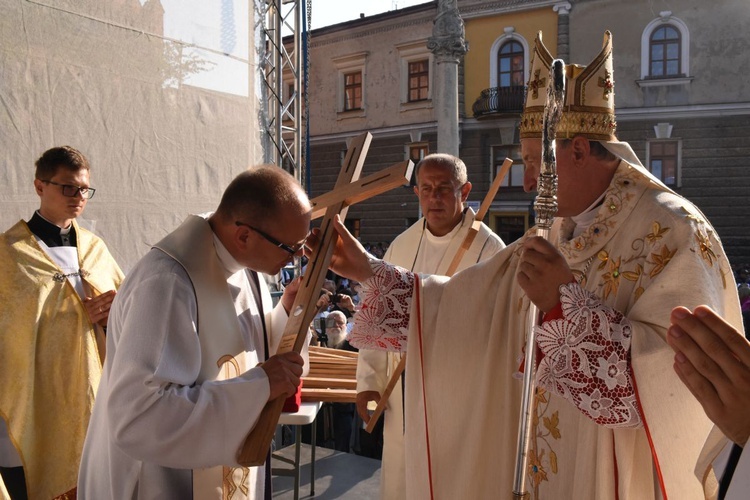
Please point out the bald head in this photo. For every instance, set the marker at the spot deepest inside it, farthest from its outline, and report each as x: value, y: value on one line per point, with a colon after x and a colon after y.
x: 261, y: 193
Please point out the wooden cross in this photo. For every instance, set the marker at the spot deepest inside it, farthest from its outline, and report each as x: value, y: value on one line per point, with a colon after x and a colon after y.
x: 257, y: 443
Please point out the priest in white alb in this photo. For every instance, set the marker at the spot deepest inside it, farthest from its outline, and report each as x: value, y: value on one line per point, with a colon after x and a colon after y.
x: 190, y: 351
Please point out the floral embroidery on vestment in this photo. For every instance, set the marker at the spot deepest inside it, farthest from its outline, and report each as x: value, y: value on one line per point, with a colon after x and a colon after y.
x: 385, y: 309
x: 587, y: 359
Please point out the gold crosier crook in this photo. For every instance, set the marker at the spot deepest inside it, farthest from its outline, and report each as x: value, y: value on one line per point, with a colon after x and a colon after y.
x: 545, y: 207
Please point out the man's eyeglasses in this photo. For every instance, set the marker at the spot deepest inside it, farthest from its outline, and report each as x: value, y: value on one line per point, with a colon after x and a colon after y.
x: 291, y: 250
x: 72, y: 191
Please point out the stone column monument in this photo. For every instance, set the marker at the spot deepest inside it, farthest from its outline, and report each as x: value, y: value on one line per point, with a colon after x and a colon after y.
x: 449, y: 46
x: 563, y: 29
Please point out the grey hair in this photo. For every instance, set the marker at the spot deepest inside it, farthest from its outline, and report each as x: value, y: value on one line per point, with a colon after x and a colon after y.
x: 449, y: 162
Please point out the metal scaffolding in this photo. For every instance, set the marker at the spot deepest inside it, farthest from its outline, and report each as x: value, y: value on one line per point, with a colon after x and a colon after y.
x: 281, y: 77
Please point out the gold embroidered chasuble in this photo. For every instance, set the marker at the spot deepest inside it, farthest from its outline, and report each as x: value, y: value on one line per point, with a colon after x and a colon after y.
x: 647, y: 251
x: 50, y: 366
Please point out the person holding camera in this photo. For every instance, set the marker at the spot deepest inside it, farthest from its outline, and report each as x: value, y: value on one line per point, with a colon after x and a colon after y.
x: 343, y: 302
x: 328, y: 303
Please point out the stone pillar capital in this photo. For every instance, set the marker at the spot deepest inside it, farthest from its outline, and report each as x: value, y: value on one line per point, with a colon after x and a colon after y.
x: 447, y: 38
x: 562, y: 8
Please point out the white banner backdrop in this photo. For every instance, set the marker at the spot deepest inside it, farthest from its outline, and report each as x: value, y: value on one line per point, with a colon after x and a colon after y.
x: 159, y: 95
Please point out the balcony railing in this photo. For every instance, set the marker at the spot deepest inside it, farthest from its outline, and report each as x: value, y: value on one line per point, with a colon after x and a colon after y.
x: 499, y: 100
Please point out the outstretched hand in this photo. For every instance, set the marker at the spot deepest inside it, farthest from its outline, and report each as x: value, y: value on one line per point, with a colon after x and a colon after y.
x: 713, y: 360
x: 349, y: 256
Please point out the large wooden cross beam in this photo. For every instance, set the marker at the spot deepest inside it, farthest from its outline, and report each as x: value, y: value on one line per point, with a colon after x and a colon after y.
x: 348, y: 190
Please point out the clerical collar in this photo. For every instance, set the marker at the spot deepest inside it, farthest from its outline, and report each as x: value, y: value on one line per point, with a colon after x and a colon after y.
x: 584, y: 220
x: 51, y: 234
x: 230, y: 265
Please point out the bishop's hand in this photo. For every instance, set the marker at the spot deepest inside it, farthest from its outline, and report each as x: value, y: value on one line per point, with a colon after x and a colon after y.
x: 541, y: 271
x: 350, y: 259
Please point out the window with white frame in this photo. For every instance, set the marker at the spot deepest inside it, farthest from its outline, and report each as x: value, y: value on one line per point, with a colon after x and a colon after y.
x: 664, y: 160
x: 665, y: 49
x: 664, y: 52
x: 509, y: 59
x: 416, y: 74
x: 351, y: 80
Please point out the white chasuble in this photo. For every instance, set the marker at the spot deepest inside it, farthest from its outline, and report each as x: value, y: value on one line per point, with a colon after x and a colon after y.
x: 643, y: 254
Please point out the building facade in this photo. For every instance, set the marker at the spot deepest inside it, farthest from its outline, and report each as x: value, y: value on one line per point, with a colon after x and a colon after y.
x: 679, y: 101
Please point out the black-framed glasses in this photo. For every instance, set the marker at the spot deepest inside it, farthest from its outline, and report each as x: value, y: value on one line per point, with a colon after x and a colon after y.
x: 291, y: 250
x: 72, y: 191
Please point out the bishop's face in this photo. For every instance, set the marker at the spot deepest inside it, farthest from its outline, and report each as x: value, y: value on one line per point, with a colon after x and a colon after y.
x: 567, y: 185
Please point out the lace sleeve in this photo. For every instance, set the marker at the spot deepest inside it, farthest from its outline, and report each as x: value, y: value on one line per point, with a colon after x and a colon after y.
x: 587, y: 359
x: 383, y: 321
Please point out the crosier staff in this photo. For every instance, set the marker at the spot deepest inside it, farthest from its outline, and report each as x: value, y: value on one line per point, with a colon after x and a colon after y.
x: 545, y: 207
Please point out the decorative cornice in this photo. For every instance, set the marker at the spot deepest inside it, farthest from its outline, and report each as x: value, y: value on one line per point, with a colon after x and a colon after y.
x: 357, y: 28
x: 484, y: 8
x: 683, y: 112
x: 634, y: 114
x: 395, y: 131
x: 382, y: 27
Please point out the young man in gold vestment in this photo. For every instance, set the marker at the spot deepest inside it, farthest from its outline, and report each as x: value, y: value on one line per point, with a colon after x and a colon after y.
x: 57, y: 282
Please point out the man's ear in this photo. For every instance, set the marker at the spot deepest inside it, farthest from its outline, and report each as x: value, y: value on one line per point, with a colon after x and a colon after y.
x: 465, y: 190
x: 242, y: 236
x: 38, y: 186
x: 581, y: 150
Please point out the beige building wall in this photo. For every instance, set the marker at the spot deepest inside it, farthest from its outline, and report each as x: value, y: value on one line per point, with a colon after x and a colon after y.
x: 716, y: 36
x: 378, y: 49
